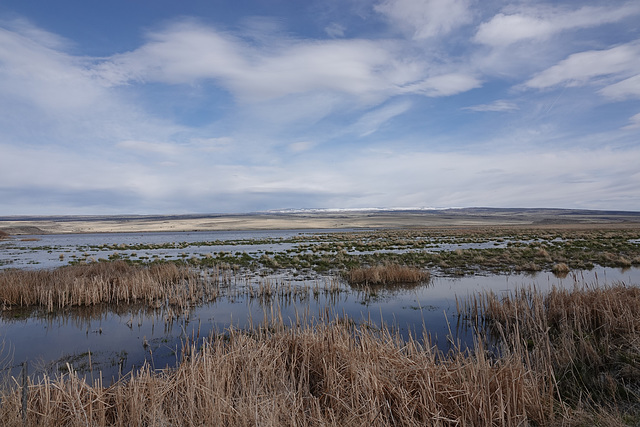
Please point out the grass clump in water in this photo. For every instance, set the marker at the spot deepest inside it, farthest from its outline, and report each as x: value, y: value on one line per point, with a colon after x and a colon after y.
x: 115, y: 282
x: 560, y: 269
x: 386, y: 274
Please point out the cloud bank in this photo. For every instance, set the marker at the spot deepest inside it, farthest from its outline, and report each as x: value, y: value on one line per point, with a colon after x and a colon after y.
x: 396, y: 103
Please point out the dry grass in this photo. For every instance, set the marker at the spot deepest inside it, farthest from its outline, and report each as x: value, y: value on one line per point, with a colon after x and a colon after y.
x: 560, y: 269
x: 569, y: 357
x: 4, y: 235
x: 107, y: 283
x: 386, y: 274
x: 586, y: 339
x: 329, y: 375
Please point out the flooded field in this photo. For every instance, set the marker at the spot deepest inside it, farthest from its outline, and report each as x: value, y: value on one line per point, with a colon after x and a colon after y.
x: 110, y: 341
x: 276, y: 275
x: 110, y: 326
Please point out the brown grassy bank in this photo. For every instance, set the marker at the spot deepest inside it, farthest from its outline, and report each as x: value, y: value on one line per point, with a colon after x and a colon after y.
x: 107, y: 283
x: 332, y: 374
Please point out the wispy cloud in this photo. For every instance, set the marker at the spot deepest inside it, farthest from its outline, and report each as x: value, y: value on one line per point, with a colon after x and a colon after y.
x: 624, y: 89
x: 585, y: 67
x: 497, y: 106
x: 35, y: 70
x: 371, y: 121
x: 542, y: 21
x: 149, y: 147
x: 614, y: 71
x: 426, y: 18
x: 300, y: 146
x: 188, y: 52
x: 335, y: 30
x: 444, y: 85
x: 634, y: 122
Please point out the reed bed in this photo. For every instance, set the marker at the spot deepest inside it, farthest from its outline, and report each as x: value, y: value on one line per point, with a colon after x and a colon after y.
x: 587, y: 339
x: 109, y: 283
x: 386, y: 274
x: 331, y: 374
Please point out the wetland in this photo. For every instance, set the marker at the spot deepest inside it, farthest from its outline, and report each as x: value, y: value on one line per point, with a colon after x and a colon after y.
x: 96, y: 314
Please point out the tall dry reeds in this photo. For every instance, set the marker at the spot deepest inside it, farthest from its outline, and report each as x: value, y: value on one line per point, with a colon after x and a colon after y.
x: 107, y: 283
x: 326, y: 375
x: 386, y: 274
x: 587, y: 339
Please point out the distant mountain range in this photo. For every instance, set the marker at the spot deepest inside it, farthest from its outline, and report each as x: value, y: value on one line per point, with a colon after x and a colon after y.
x: 471, y: 211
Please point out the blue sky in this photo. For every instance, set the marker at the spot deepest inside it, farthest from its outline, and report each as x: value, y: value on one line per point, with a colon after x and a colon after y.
x: 160, y: 106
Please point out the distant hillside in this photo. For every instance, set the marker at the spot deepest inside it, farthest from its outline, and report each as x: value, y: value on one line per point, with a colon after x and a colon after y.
x: 316, y: 219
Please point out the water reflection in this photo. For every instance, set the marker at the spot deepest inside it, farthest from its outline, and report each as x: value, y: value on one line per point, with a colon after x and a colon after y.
x: 113, y: 340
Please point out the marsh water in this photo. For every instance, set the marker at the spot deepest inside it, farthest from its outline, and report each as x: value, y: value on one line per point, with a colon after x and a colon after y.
x: 111, y: 341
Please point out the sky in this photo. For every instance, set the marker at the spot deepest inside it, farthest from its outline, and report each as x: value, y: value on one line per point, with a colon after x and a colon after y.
x: 201, y: 106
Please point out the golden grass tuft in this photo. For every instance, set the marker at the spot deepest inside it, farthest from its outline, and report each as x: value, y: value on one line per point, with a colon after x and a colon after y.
x: 560, y: 269
x: 386, y: 274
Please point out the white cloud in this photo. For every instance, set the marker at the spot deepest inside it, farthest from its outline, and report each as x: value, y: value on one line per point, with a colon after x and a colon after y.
x: 599, y: 178
x: 426, y: 18
x: 150, y: 147
x: 371, y: 121
x: 37, y: 35
x: 634, y: 122
x: 49, y: 96
x: 543, y: 22
x: 300, y: 146
x: 335, y: 30
x: 498, y: 106
x: 75, y: 126
x: 586, y: 67
x: 444, y: 85
x: 283, y: 69
x: 594, y: 179
x: 627, y: 88
x: 212, y: 144
x: 187, y: 52
x: 42, y: 76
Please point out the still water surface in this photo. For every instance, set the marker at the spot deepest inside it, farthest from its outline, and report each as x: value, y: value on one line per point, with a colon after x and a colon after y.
x: 111, y: 341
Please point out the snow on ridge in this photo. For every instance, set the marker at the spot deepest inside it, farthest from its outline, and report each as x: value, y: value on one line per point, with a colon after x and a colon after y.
x: 347, y: 210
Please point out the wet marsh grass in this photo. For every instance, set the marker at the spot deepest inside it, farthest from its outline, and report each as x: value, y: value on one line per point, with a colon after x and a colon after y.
x: 332, y: 373
x: 108, y: 283
x: 457, y: 251
x: 568, y: 357
x: 85, y: 291
x: 453, y: 251
x: 586, y: 339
